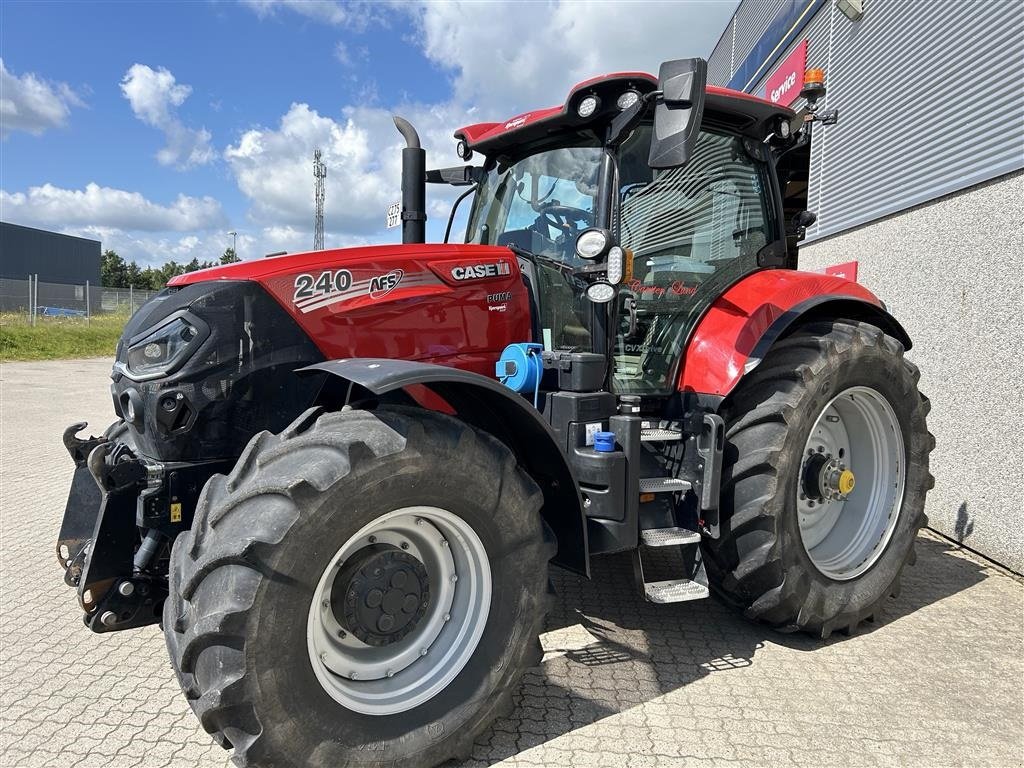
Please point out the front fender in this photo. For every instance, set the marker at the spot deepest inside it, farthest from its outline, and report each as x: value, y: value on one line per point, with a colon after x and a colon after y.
x: 742, y: 324
x: 494, y: 408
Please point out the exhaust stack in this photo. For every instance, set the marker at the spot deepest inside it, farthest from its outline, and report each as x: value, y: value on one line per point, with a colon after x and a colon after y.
x: 414, y: 184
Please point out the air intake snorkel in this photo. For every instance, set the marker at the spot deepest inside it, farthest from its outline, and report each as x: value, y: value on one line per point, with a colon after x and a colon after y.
x: 414, y: 184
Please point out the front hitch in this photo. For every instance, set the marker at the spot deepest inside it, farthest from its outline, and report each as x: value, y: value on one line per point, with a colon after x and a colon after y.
x: 122, y: 513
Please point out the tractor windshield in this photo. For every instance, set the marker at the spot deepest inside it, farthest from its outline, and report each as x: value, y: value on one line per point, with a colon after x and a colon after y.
x: 693, y: 231
x: 539, y: 203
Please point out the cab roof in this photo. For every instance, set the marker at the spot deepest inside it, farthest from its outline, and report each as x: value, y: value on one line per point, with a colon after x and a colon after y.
x: 736, y: 109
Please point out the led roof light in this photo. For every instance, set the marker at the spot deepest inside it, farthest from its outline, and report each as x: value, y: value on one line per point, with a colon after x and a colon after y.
x: 627, y: 99
x: 588, y: 106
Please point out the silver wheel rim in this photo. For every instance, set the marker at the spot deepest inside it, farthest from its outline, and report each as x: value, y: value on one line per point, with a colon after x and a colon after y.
x: 385, y: 680
x: 844, y: 534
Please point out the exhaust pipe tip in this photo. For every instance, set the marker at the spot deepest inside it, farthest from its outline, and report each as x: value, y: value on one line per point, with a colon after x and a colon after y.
x: 412, y: 139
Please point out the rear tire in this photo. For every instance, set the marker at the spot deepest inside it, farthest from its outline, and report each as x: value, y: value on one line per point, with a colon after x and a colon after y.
x: 766, y: 560
x: 244, y: 580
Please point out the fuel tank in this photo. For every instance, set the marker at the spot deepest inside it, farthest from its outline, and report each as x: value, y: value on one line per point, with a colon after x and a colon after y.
x: 457, y: 305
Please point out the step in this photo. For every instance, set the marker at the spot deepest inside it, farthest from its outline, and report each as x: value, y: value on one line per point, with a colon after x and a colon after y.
x: 668, y: 537
x: 675, y: 591
x: 663, y: 484
x: 656, y: 435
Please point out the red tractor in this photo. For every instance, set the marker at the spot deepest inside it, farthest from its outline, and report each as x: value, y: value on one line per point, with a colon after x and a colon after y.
x: 338, y: 478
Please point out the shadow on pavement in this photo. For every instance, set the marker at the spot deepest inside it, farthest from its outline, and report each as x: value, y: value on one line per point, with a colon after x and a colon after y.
x: 607, y: 650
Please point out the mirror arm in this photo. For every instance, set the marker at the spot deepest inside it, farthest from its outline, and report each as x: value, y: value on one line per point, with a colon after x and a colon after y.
x: 455, y: 207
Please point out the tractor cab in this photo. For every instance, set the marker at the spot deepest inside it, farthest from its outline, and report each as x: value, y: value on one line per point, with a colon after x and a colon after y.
x: 685, y: 231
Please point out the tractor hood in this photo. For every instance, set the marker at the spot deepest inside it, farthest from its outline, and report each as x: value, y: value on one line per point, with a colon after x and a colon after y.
x: 211, y: 358
x: 451, y: 304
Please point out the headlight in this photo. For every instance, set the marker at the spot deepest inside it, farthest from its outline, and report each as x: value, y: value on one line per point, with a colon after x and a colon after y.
x: 591, y: 243
x: 160, y: 351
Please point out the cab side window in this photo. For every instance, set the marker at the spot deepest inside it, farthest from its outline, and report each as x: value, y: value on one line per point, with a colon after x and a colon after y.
x: 687, y: 223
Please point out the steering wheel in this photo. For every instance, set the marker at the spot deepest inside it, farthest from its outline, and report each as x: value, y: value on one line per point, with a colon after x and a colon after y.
x: 563, y: 217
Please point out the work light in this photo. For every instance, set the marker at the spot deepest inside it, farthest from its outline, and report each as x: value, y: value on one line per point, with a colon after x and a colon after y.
x: 601, y: 293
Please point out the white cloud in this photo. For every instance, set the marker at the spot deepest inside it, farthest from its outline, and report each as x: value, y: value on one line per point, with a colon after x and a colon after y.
x: 155, y: 96
x: 29, y: 103
x: 356, y: 16
x: 507, y: 58
x: 52, y: 207
x: 362, y: 151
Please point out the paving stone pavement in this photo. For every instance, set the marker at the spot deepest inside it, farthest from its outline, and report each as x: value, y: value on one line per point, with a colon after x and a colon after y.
x: 936, y: 681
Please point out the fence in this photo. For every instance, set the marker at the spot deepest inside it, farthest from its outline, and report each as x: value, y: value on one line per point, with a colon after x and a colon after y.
x: 62, y: 299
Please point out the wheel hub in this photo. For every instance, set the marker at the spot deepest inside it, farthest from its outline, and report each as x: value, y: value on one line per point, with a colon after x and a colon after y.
x: 381, y: 594
x: 826, y: 478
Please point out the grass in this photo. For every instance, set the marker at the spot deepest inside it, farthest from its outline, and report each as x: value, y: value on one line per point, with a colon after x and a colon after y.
x: 58, y: 338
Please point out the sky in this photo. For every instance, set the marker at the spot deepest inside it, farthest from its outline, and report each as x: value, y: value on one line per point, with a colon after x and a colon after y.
x: 157, y: 128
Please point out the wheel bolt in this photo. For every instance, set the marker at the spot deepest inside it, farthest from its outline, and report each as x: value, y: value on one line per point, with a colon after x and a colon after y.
x: 342, y: 633
x: 326, y: 604
x: 447, y: 617
x: 444, y: 542
x: 353, y: 676
x: 810, y: 503
x: 423, y: 651
x: 373, y: 539
x: 323, y: 657
x: 419, y: 521
x: 405, y: 545
x: 455, y: 577
x: 803, y: 497
x: 389, y: 673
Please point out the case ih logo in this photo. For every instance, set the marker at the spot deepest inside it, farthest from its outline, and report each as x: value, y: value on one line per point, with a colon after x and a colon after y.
x: 481, y: 271
x: 382, y: 285
x: 515, y: 122
x: 785, y: 83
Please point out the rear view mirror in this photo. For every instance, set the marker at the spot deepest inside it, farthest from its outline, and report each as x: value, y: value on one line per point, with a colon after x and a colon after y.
x: 678, y: 111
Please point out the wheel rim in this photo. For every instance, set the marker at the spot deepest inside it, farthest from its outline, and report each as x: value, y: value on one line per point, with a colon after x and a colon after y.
x: 432, y: 637
x: 851, y: 482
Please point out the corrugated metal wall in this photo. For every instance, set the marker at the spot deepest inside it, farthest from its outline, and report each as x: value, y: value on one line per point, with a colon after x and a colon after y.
x: 720, y: 60
x: 929, y: 97
x: 56, y: 258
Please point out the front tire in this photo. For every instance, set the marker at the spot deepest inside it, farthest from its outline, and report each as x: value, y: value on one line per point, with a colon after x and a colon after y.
x: 804, y: 544
x: 275, y: 658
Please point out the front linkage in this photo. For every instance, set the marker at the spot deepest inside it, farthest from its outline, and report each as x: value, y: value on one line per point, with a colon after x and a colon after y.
x: 123, y: 513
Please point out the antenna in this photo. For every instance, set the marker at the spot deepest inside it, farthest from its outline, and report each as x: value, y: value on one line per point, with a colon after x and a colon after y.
x: 319, y: 193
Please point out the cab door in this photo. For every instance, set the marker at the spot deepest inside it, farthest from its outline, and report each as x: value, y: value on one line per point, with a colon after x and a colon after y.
x: 693, y: 231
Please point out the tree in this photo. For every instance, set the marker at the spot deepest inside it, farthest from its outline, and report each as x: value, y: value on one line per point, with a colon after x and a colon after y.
x: 134, y: 276
x: 229, y: 257
x: 113, y: 270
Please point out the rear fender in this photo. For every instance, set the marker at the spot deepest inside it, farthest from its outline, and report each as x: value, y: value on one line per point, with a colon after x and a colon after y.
x: 495, y: 409
x: 741, y: 325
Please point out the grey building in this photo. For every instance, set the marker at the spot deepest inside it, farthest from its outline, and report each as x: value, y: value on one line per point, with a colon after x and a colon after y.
x: 56, y: 258
x: 65, y: 266
x: 921, y: 185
